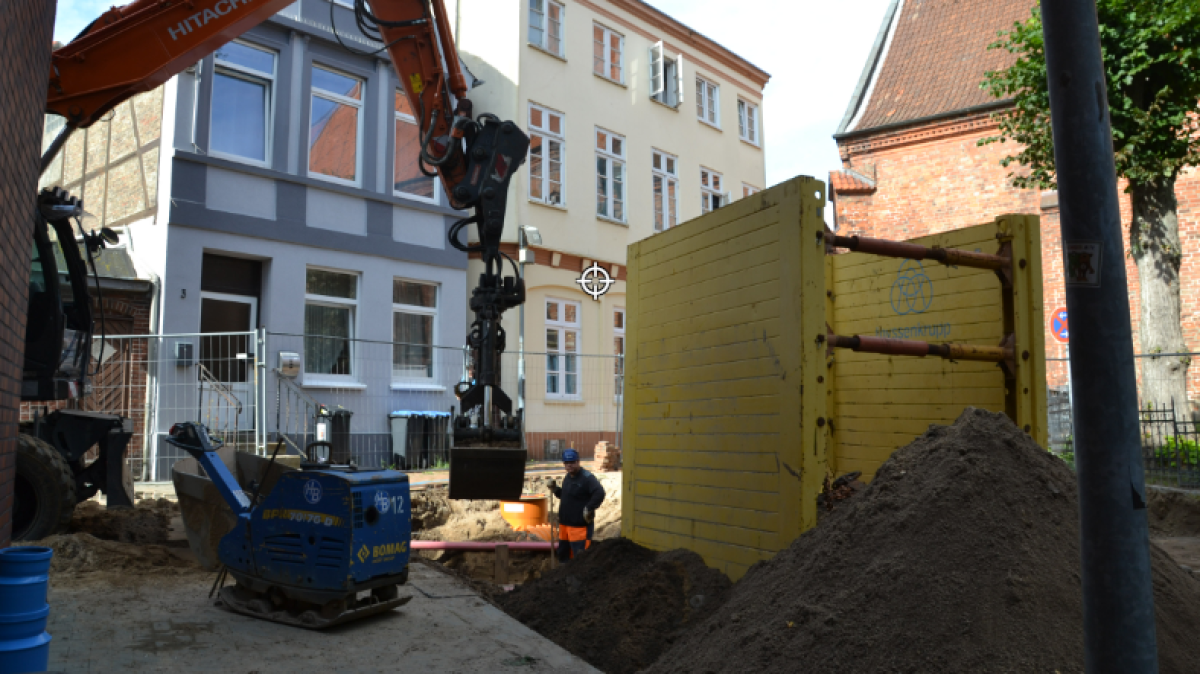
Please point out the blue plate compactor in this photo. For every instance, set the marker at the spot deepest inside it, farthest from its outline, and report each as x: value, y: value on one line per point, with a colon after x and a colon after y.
x: 327, y: 545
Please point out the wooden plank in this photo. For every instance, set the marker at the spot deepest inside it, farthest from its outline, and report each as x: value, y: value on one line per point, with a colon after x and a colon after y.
x: 946, y: 304
x: 693, y: 324
x: 733, y: 535
x: 851, y: 293
x: 916, y: 412
x: 754, y: 520
x: 766, y: 328
x: 710, y: 443
x: 766, y: 255
x: 933, y: 396
x: 760, y: 501
x: 716, y: 407
x: 630, y: 430
x: 916, y: 383
x: 814, y: 454
x: 711, y: 478
x: 717, y: 387
x: 701, y: 235
x: 501, y: 564
x: 910, y: 365
x: 985, y: 332
x: 712, y: 296
x: 751, y: 458
x: 766, y: 288
x: 728, y: 425
x: 760, y: 359
x: 662, y: 264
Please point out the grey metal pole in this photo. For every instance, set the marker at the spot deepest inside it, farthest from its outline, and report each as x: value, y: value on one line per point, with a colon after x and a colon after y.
x: 1118, y: 599
x: 521, y: 242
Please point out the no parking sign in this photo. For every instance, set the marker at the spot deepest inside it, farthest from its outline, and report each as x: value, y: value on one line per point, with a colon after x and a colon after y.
x: 1058, y: 325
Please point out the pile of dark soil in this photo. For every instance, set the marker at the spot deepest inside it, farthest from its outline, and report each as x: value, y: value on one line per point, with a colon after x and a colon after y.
x: 1173, y: 514
x: 148, y: 522
x: 619, y: 605
x: 961, y: 556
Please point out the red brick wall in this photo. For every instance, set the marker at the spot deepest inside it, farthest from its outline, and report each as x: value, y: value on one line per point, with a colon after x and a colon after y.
x: 26, y: 27
x: 935, y: 178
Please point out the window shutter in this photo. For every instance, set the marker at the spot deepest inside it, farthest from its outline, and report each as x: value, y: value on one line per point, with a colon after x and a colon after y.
x: 656, y: 68
x: 679, y: 80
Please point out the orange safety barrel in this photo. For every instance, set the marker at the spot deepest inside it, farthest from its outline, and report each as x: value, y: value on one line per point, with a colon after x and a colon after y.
x: 532, y: 510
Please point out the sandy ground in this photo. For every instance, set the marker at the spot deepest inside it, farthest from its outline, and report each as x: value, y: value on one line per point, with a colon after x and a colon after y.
x: 166, y: 624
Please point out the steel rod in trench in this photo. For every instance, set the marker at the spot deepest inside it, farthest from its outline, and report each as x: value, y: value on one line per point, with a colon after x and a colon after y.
x: 912, y: 347
x: 912, y: 251
x: 1118, y: 597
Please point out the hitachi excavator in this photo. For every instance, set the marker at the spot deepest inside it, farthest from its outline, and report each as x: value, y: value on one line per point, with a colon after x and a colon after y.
x: 139, y: 46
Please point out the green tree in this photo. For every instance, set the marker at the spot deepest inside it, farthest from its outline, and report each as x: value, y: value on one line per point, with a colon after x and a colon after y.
x: 1151, y: 52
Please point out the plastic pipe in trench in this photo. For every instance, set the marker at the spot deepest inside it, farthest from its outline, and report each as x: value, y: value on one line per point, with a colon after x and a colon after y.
x: 479, y: 545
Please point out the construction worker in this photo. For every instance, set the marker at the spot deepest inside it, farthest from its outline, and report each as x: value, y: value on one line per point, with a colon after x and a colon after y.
x: 579, y: 497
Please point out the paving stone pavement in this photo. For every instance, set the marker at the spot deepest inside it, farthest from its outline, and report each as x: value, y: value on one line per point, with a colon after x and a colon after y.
x: 167, y: 624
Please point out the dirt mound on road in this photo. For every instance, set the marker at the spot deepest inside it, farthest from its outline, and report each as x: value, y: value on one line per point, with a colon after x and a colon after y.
x: 961, y: 556
x: 1174, y: 514
x: 619, y: 605
x: 147, y: 523
x: 78, y: 556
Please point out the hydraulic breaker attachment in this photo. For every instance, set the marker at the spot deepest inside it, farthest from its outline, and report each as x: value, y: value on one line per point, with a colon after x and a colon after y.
x: 487, y: 458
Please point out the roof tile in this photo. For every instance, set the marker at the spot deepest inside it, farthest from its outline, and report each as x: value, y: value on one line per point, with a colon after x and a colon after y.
x: 938, y: 57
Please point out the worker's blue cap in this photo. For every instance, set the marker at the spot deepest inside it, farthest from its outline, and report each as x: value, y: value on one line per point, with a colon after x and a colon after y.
x: 570, y: 455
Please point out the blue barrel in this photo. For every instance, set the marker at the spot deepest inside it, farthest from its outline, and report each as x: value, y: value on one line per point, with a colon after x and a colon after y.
x: 24, y: 578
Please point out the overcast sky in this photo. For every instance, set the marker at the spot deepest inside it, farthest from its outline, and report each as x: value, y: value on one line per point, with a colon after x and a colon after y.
x: 813, y: 50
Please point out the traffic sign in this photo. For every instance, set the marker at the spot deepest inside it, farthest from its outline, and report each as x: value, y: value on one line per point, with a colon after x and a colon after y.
x: 1058, y: 325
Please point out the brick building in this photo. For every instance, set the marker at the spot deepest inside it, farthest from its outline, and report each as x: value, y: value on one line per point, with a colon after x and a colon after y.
x: 912, y: 164
x: 25, y: 30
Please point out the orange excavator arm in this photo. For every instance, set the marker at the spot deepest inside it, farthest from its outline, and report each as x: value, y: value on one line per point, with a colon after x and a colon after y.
x: 139, y: 46
x: 135, y: 48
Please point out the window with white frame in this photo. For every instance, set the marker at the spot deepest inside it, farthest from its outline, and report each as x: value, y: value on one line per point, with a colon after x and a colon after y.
x: 546, y: 146
x: 708, y: 102
x: 414, y: 317
x: 545, y: 25
x: 241, y: 103
x: 330, y: 308
x: 747, y: 190
x: 407, y: 178
x: 619, y: 351
x: 666, y: 190
x: 610, y: 175
x: 712, y: 193
x: 748, y: 121
x: 607, y: 50
x: 666, y: 76
x: 562, y: 349
x: 334, y: 127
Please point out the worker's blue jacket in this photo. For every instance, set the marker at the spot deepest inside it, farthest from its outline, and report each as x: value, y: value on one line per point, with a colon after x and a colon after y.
x: 576, y: 492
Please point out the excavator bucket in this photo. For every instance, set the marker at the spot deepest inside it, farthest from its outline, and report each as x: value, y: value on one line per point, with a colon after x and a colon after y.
x: 206, y: 516
x: 487, y: 473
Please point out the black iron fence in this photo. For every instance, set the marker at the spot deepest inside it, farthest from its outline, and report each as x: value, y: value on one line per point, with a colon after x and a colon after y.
x: 1170, y: 436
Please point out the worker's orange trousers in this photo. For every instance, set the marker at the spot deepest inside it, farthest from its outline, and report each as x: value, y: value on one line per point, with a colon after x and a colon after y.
x: 573, y: 540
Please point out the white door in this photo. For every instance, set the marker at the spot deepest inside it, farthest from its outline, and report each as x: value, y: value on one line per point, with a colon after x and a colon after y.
x: 226, y: 363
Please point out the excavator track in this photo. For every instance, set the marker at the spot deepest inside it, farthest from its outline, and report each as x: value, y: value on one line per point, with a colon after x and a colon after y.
x: 310, y: 616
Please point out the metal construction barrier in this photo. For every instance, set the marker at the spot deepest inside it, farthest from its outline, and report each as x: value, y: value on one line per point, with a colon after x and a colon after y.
x: 570, y: 399
x: 761, y: 359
